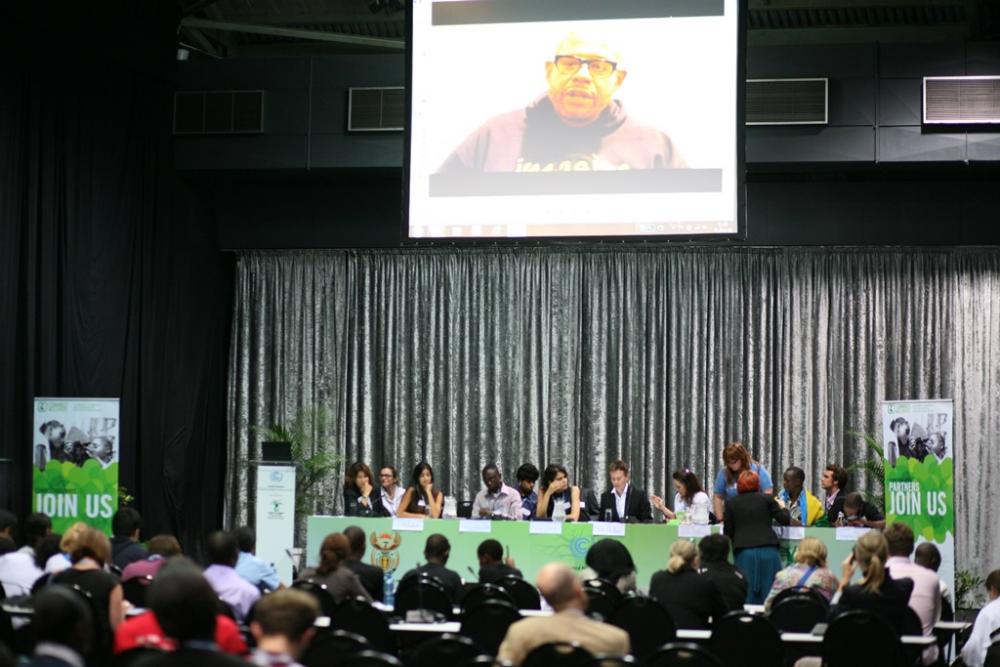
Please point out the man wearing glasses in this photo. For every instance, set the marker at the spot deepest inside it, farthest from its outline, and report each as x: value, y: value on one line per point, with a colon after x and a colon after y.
x: 576, y: 126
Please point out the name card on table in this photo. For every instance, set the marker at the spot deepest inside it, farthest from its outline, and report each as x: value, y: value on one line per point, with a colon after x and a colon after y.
x: 790, y: 532
x: 545, y: 528
x: 608, y: 528
x: 851, y: 533
x: 400, y: 523
x: 694, y: 530
x: 474, y: 526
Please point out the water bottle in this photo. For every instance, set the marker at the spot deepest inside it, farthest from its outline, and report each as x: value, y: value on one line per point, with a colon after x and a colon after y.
x: 559, y: 511
x: 388, y: 594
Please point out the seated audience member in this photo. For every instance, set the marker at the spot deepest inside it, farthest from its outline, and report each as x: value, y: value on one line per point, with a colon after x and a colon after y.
x: 91, y: 553
x: 526, y: 476
x: 493, y: 567
x: 18, y: 571
x: 422, y: 499
x: 833, y: 481
x: 257, y: 572
x: 927, y: 555
x: 878, y: 593
x: 557, y: 489
x: 987, y: 624
x: 37, y: 526
x: 737, y: 460
x: 610, y: 560
x: 497, y: 500
x: 714, y: 565
x: 360, y: 495
x: 126, y: 525
x: 144, y: 631
x: 804, y: 508
x: 63, y: 627
x: 223, y: 551
x: 926, y: 596
x: 161, y: 547
x: 808, y: 571
x: 564, y: 593
x: 623, y: 500
x: 859, y: 512
x: 186, y: 608
x: 60, y: 561
x: 437, y: 549
x: 46, y: 549
x: 687, y: 494
x: 333, y: 571
x: 371, y: 577
x: 692, y: 600
x: 747, y: 522
x: 282, y: 627
x: 8, y: 525
x: 389, y: 489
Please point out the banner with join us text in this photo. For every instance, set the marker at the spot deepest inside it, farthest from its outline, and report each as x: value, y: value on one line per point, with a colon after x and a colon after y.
x: 74, y: 456
x: 919, y: 473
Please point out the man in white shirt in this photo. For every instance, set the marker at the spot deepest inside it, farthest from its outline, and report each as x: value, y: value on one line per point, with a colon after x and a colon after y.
x: 17, y: 569
x: 497, y: 499
x: 624, y: 502
x: 392, y: 493
x: 926, y: 596
x: 987, y: 623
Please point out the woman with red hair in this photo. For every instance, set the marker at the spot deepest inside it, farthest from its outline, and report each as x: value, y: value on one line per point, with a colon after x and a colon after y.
x: 747, y: 520
x: 736, y: 459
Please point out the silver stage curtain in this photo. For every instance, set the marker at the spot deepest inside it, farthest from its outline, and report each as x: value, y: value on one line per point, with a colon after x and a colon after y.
x: 659, y: 356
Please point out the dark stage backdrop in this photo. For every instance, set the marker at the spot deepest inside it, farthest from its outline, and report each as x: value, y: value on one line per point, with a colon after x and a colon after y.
x: 580, y: 355
x: 110, y: 282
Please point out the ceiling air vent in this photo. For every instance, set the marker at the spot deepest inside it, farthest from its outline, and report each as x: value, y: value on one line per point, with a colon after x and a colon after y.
x: 219, y: 112
x: 376, y: 109
x: 961, y: 100
x: 787, y: 101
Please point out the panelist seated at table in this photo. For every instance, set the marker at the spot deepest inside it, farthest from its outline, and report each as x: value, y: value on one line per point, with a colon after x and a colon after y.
x: 804, y: 508
x: 389, y: 489
x: 527, y: 476
x: 361, y: 498
x: 493, y: 567
x: 497, y: 500
x: 859, y: 513
x: 624, y: 502
x: 437, y: 550
x: 556, y: 489
x: 688, y: 496
x: 422, y: 499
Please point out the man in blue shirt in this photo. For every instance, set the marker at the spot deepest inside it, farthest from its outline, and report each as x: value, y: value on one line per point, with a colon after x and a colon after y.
x: 527, y: 475
x: 257, y: 572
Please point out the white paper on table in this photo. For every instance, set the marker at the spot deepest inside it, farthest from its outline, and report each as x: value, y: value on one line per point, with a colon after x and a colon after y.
x: 608, y: 528
x: 545, y: 528
x: 851, y: 533
x: 475, y: 526
x: 790, y: 532
x: 407, y: 523
x: 693, y: 530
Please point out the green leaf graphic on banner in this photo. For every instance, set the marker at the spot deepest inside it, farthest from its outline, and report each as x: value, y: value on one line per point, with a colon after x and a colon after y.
x: 929, y: 510
x: 72, y: 493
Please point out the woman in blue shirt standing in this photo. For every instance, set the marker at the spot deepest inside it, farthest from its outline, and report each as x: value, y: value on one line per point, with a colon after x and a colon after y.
x: 737, y: 459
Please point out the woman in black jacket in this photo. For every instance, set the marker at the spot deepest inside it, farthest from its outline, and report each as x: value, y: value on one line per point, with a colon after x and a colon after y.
x: 747, y: 522
x: 691, y: 599
x: 878, y: 592
x: 361, y: 497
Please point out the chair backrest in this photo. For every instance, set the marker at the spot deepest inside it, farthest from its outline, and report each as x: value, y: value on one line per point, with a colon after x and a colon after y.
x: 487, y: 623
x: 600, y: 606
x: 800, y: 591
x: 911, y: 625
x: 422, y: 592
x: 557, y: 654
x: 327, y: 602
x: 609, y: 588
x: 524, y: 594
x: 857, y: 637
x: 463, y: 509
x: 740, y: 639
x: 612, y: 661
x: 448, y: 649
x: 479, y: 593
x: 371, y: 659
x: 682, y: 654
x: 992, y: 655
x: 356, y: 615
x: 134, y: 589
x: 796, y: 613
x: 648, y: 624
x: 330, y: 648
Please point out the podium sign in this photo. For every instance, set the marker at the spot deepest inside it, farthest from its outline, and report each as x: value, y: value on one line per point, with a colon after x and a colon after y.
x: 275, y: 525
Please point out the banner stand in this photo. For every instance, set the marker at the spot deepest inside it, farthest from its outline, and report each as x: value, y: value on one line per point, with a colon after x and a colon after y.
x: 275, y: 516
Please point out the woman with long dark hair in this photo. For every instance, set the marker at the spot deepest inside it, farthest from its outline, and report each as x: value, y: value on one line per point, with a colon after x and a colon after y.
x: 361, y: 496
x: 340, y: 580
x: 556, y: 488
x: 687, y: 493
x: 422, y: 499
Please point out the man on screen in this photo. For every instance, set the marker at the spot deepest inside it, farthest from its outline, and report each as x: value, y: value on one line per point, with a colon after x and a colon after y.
x: 576, y: 126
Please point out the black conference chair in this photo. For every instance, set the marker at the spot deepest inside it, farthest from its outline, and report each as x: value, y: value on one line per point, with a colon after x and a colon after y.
x: 371, y: 659
x: 682, y: 654
x: 479, y: 593
x: 134, y: 590
x: 911, y: 625
x: 463, y: 510
x: 356, y: 615
x: 853, y: 629
x: 524, y: 594
x: 612, y: 661
x: 603, y: 598
x: 324, y: 597
x: 448, y: 649
x: 333, y: 647
x: 796, y: 613
x: 487, y: 623
x: 132, y: 657
x: 740, y: 639
x: 802, y: 591
x: 648, y: 624
x: 557, y: 654
x: 425, y: 594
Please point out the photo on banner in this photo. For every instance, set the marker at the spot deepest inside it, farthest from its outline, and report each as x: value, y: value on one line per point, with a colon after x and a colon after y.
x: 919, y: 449
x: 75, y: 452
